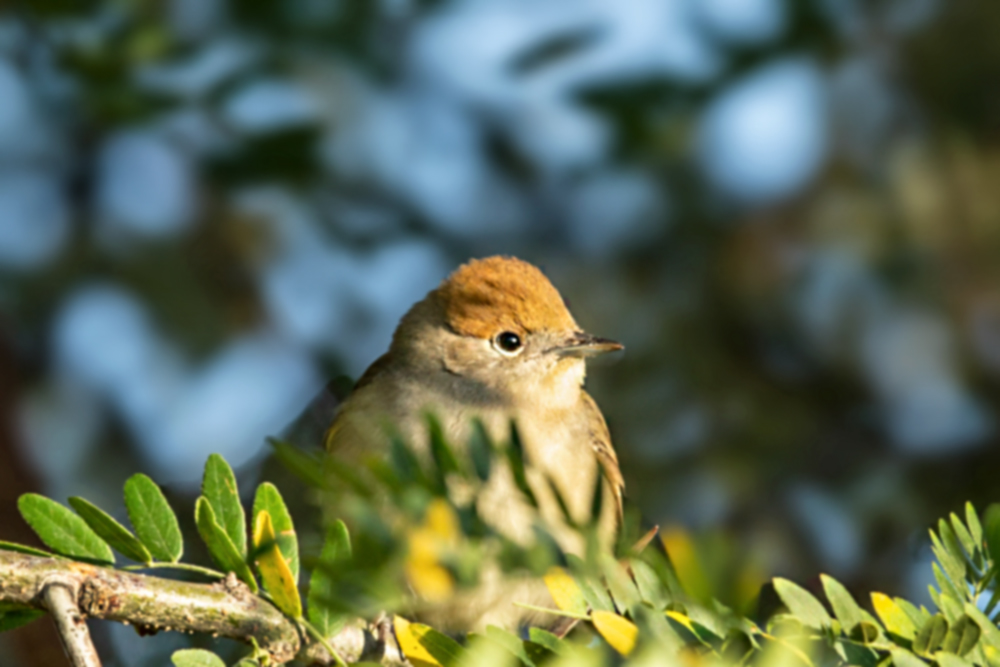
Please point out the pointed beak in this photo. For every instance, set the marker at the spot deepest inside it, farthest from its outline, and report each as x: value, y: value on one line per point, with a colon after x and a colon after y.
x: 580, y: 344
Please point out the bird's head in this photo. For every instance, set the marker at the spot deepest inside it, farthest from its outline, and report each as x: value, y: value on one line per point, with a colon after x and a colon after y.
x: 498, y: 322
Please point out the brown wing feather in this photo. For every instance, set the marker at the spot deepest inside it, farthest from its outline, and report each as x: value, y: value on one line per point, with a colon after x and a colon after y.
x: 600, y: 440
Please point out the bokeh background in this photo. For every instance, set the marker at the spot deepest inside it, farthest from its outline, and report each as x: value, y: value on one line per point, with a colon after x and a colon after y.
x: 788, y: 210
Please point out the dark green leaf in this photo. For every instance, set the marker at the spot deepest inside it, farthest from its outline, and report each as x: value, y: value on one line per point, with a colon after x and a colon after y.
x: 480, y: 450
x: 597, y: 500
x: 990, y: 632
x: 336, y: 549
x: 991, y: 531
x: 25, y: 549
x: 219, y: 544
x: 864, y: 632
x: 196, y: 657
x: 515, y: 457
x: 930, y: 636
x: 269, y: 499
x: 560, y: 502
x: 218, y: 487
x: 445, y: 462
x: 11, y: 620
x: 802, y: 604
x: 962, y: 636
x: 62, y: 531
x: 112, y: 532
x: 154, y: 521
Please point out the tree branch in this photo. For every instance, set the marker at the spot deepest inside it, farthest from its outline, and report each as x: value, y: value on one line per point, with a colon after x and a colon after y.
x: 60, y: 600
x: 226, y: 608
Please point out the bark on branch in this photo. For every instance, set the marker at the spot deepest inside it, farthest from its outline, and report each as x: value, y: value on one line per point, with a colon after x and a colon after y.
x: 225, y: 609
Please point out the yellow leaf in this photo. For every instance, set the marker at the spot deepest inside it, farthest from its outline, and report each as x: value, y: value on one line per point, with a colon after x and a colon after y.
x: 442, y: 520
x: 895, y: 619
x: 273, y: 567
x: 408, y: 636
x: 429, y: 580
x: 617, y: 631
x: 565, y: 591
x: 683, y: 620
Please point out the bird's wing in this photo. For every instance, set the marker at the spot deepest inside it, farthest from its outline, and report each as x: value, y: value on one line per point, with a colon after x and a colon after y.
x: 334, y: 432
x: 600, y: 440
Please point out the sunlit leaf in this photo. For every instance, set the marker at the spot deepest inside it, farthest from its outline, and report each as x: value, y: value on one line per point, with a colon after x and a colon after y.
x: 275, y: 574
x: 845, y: 608
x: 63, y: 531
x: 269, y: 499
x: 895, y: 619
x: 409, y: 644
x: 196, y: 657
x: 220, y: 546
x: 153, y: 519
x: 218, y: 487
x: 565, y: 591
x: 684, y: 557
x: 619, y: 632
x: 118, y: 536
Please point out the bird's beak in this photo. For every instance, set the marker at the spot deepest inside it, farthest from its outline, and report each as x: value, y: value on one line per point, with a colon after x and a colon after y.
x: 580, y: 344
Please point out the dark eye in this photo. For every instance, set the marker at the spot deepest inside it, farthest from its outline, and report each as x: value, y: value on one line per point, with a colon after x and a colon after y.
x: 508, y: 341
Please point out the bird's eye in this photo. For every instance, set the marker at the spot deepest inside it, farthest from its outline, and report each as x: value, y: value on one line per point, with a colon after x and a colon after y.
x: 508, y: 342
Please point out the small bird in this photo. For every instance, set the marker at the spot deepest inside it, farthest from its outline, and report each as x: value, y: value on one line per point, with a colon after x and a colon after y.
x: 495, y: 342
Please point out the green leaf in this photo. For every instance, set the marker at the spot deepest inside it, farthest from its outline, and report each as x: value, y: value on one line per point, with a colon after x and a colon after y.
x: 112, y: 532
x: 304, y: 465
x: 845, y: 608
x: 219, y: 544
x: 952, y: 564
x: 991, y: 530
x: 975, y: 528
x: 269, y: 499
x: 513, y: 645
x: 153, y: 519
x: 11, y: 620
x: 62, y: 531
x: 802, y: 604
x: 991, y: 634
x: 962, y: 636
x: 25, y: 549
x: 651, y: 588
x: 903, y: 658
x: 445, y: 462
x: 336, y: 549
x: 548, y: 640
x: 273, y: 568
x: 919, y: 616
x: 969, y: 545
x: 515, y: 457
x: 930, y: 636
x: 480, y: 450
x: 219, y: 489
x: 444, y: 649
x: 949, y: 660
x: 196, y: 657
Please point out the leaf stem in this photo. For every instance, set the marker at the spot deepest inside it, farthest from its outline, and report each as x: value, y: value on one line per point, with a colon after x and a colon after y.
x: 208, y: 572
x: 315, y: 634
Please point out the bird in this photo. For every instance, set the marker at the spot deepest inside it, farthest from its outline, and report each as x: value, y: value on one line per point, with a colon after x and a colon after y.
x: 495, y: 342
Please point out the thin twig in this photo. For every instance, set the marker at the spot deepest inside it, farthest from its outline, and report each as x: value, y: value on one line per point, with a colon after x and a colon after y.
x: 60, y: 600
